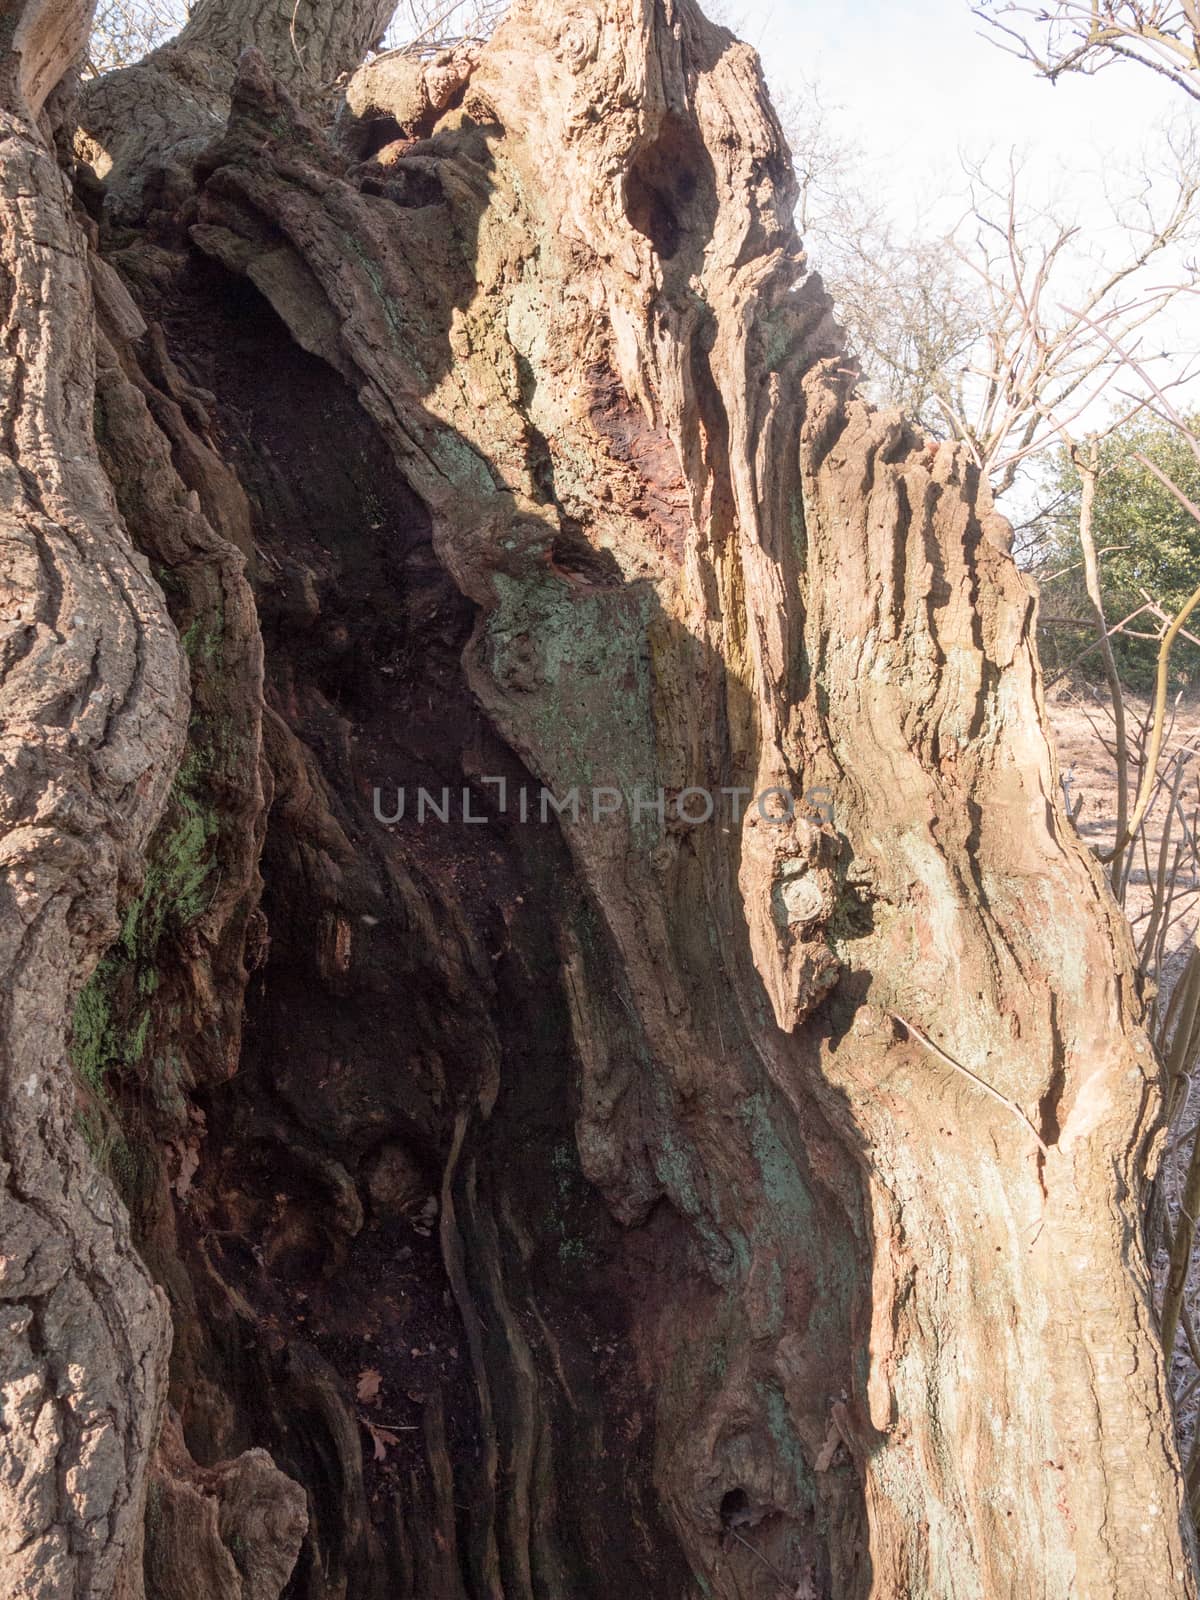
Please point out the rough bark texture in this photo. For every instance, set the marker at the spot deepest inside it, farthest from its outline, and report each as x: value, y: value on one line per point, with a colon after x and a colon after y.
x: 569, y: 1206
x: 94, y: 711
x: 92, y: 716
x: 142, y: 127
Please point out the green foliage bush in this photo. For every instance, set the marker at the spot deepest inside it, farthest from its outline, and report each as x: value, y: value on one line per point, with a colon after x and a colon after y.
x: 1148, y: 540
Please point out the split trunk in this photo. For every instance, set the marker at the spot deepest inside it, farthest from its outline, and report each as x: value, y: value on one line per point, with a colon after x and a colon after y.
x: 602, y: 1197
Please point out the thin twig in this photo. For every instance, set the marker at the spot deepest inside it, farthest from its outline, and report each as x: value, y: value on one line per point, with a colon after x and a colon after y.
x: 957, y: 1066
x: 1142, y: 803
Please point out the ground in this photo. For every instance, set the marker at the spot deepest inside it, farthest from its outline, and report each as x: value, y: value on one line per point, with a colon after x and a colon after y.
x: 1081, y: 722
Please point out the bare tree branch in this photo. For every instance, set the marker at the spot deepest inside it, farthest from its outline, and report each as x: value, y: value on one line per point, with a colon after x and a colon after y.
x: 1084, y: 36
x: 433, y: 24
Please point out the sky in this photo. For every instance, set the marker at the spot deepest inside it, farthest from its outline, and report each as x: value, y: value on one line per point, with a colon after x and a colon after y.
x: 917, y: 80
x: 914, y: 82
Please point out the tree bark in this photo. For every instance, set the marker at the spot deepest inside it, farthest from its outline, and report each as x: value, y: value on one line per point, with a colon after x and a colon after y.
x: 93, y: 711
x: 312, y: 43
x: 551, y: 468
x: 141, y: 127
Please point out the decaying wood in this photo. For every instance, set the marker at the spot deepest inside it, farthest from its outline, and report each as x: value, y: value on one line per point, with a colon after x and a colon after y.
x: 548, y: 465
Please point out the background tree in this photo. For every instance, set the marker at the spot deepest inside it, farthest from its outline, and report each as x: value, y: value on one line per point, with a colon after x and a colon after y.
x: 123, y: 31
x: 912, y: 314
x: 1156, y: 482
x: 993, y: 329
x: 1150, y: 544
x: 430, y: 23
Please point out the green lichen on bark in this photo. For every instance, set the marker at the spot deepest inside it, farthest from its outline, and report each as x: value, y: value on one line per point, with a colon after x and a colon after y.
x: 114, y: 1015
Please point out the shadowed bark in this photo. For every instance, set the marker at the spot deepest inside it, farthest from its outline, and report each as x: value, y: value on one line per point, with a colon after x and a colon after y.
x: 594, y: 1200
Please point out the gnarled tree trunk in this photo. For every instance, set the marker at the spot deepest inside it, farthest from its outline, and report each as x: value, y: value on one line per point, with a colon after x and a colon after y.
x: 92, y: 718
x: 596, y: 1198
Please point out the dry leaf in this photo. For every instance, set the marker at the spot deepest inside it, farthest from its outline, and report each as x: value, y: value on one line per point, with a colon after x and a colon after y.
x: 380, y: 1437
x: 368, y: 1386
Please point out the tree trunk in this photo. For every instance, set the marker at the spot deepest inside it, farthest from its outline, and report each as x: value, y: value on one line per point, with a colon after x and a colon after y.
x: 142, y: 127
x: 602, y: 1196
x: 311, y: 43
x: 92, y: 712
